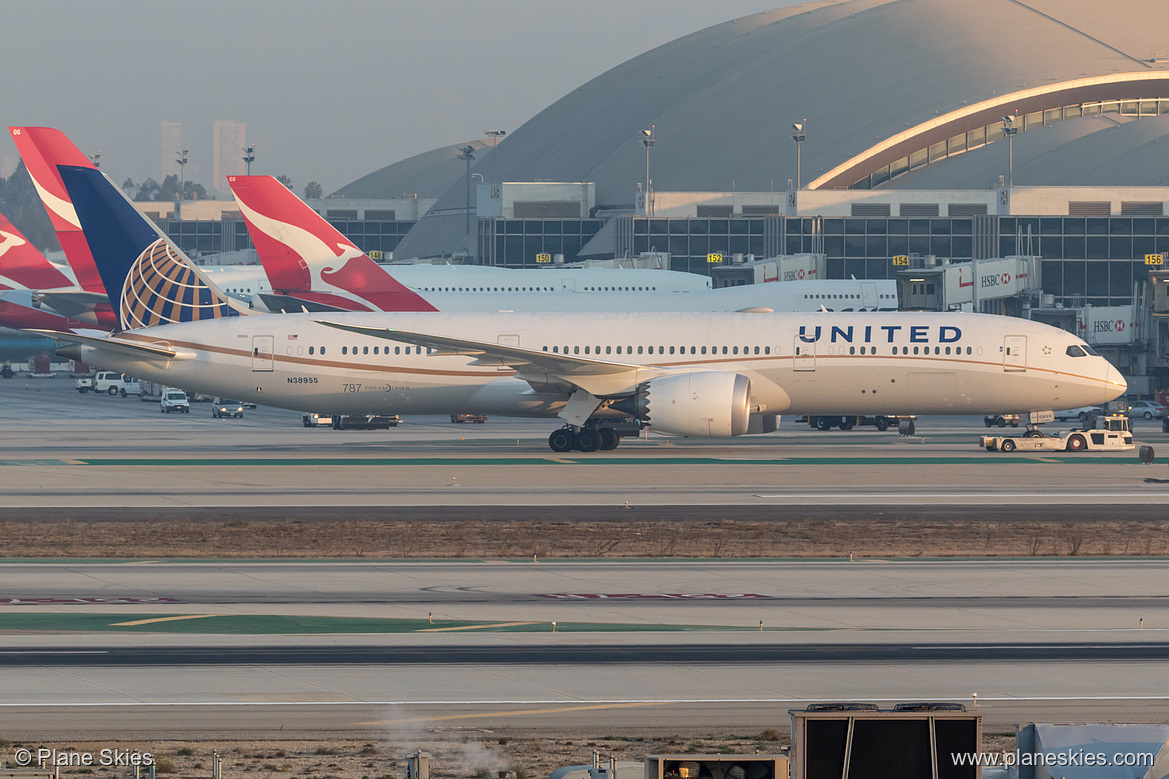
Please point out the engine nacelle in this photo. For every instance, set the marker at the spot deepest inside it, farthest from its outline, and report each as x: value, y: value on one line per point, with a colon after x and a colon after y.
x: 707, y: 404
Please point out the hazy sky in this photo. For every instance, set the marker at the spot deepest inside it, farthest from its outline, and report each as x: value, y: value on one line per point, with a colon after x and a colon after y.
x: 329, y: 91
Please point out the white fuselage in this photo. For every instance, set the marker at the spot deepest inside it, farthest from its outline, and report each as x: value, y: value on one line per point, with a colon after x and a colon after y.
x: 887, y: 363
x: 484, y: 289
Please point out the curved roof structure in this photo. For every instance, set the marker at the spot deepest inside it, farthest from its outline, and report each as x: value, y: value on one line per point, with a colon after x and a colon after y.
x: 426, y: 175
x: 874, y: 82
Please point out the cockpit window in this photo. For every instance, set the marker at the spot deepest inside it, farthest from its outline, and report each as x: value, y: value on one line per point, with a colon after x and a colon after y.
x: 1091, y: 351
x: 1075, y: 351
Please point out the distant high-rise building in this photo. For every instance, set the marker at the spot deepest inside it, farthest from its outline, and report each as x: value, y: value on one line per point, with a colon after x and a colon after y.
x: 172, y: 144
x: 227, y: 145
x: 8, y: 163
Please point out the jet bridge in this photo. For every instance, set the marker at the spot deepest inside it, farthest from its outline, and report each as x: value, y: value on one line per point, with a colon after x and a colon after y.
x: 1005, y: 285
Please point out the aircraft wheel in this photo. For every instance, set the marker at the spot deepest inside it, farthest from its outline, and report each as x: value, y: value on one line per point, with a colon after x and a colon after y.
x: 1032, y: 434
x: 847, y: 424
x: 562, y: 440
x: 609, y: 439
x: 588, y: 440
x: 1008, y: 445
x: 1077, y: 443
x: 881, y: 424
x: 823, y: 423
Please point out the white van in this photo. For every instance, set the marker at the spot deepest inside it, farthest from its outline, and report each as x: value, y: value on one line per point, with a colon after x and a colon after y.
x: 174, y: 400
x: 114, y: 383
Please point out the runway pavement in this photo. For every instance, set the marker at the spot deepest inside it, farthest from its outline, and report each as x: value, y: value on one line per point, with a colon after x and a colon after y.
x: 69, y: 451
x: 134, y: 648
x: 218, y: 647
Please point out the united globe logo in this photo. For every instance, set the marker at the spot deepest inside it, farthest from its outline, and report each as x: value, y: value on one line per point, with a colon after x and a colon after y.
x: 161, y: 289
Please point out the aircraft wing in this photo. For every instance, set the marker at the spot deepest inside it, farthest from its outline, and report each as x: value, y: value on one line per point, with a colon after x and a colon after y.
x: 131, y: 348
x: 601, y: 378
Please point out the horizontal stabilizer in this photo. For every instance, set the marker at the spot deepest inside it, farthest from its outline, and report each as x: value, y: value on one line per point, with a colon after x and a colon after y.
x: 133, y: 348
x: 290, y: 304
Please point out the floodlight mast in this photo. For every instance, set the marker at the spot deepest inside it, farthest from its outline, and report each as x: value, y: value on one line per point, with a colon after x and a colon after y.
x: 647, y: 140
x: 798, y: 137
x: 182, y: 160
x: 495, y: 136
x: 1009, y: 130
x: 467, y: 153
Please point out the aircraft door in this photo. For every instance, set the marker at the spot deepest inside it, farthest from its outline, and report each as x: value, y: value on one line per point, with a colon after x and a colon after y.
x: 803, y: 355
x: 262, y: 348
x: 869, y: 297
x: 1015, y: 353
x: 509, y: 340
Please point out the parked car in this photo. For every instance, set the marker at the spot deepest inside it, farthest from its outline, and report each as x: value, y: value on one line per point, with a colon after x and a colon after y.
x: 226, y: 407
x: 1082, y: 413
x: 476, y: 418
x: 1002, y: 420
x: 174, y: 400
x: 1149, y: 409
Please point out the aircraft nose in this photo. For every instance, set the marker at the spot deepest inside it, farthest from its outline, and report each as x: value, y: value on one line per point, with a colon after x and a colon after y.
x: 1115, y: 384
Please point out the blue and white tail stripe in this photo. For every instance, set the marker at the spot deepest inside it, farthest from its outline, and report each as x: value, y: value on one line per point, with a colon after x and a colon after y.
x: 148, y: 279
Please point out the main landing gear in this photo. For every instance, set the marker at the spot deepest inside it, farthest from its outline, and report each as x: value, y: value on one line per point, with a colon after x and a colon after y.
x: 585, y: 439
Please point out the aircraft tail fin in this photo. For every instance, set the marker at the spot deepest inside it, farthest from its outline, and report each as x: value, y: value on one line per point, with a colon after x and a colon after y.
x: 303, y: 253
x: 22, y: 266
x: 43, y: 149
x: 148, y: 279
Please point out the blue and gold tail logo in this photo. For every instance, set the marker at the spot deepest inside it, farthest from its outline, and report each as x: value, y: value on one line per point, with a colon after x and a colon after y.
x: 160, y: 289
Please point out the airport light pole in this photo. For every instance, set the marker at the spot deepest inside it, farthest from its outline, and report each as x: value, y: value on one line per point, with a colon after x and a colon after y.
x: 495, y: 136
x: 182, y: 180
x: 798, y: 137
x: 1009, y: 130
x: 249, y: 156
x: 467, y: 153
x: 647, y: 140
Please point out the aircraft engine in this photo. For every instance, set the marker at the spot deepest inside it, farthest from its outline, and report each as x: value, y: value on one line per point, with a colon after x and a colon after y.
x: 706, y: 404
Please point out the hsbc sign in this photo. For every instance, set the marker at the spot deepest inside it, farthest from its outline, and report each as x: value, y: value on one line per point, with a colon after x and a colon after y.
x: 994, y: 280
x: 1109, y: 325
